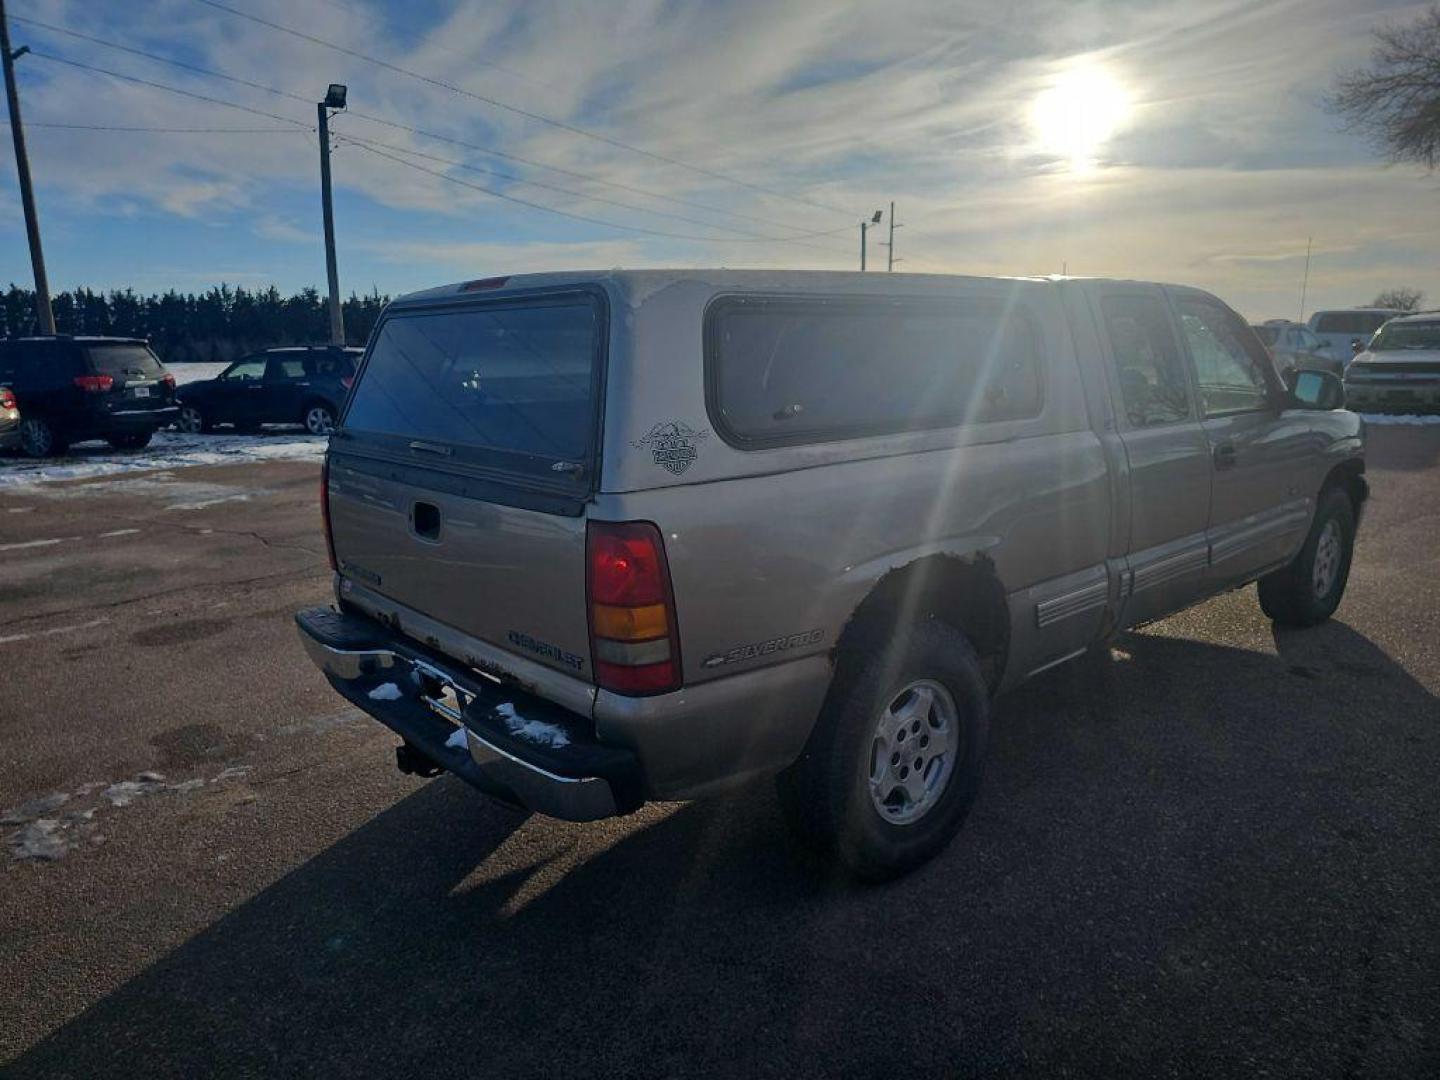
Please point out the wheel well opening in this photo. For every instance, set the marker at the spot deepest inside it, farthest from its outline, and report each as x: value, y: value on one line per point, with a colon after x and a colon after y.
x: 1349, y: 477
x: 966, y: 593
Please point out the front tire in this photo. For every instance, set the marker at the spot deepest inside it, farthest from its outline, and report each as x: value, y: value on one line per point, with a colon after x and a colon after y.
x: 896, y: 758
x: 1308, y: 590
x: 39, y: 438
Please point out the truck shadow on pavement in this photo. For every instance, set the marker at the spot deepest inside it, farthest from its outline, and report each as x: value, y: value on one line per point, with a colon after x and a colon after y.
x: 1184, y: 854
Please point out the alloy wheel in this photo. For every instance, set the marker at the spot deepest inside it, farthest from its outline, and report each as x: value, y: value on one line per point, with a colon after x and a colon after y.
x: 319, y: 421
x: 1327, y: 559
x: 913, y: 751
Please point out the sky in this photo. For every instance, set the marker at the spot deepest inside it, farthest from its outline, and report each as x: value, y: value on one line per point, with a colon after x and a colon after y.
x: 1172, y: 141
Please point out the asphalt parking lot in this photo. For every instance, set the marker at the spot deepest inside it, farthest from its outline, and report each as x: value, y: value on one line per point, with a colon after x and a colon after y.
x: 1216, y: 852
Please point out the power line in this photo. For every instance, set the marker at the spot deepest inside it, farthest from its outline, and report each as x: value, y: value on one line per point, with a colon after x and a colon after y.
x: 647, y: 192
x: 166, y: 130
x: 162, y: 59
x: 550, y: 209
x: 353, y: 114
x: 495, y: 102
x: 169, y: 89
x: 798, y: 238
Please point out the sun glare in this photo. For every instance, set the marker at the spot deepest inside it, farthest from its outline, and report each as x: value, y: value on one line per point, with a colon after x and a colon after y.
x: 1078, y: 115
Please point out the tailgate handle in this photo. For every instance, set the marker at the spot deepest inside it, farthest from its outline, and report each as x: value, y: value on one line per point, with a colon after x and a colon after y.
x: 425, y: 520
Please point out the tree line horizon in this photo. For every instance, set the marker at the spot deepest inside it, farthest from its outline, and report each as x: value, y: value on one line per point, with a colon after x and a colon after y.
x: 219, y: 324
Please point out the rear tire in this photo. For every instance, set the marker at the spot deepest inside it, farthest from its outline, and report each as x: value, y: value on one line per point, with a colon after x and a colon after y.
x: 39, y: 438
x: 319, y: 418
x: 1308, y: 590
x: 136, y: 441
x: 896, y: 757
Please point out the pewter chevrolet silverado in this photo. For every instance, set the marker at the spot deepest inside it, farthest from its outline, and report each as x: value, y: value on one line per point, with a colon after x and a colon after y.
x: 608, y: 537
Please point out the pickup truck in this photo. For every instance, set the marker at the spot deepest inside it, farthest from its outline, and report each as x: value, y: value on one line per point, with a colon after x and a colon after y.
x: 602, y: 538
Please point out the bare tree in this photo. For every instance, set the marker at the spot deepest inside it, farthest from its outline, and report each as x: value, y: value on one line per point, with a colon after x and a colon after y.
x: 1395, y: 101
x: 1401, y: 299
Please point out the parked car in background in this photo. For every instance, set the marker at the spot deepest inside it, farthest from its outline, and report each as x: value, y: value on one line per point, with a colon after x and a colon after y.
x: 9, y: 419
x: 608, y: 537
x: 304, y: 384
x: 1401, y: 367
x: 1295, y: 347
x: 1341, y: 329
x: 70, y: 389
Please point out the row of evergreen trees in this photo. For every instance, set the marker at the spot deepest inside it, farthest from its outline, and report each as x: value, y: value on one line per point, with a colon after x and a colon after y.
x: 220, y: 324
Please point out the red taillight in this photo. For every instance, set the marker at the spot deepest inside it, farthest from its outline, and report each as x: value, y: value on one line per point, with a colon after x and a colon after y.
x: 633, y: 635
x: 7, y: 398
x: 94, y: 384
x: 325, y: 511
x: 168, y: 380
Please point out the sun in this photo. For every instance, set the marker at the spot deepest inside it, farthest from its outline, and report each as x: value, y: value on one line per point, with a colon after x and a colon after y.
x: 1078, y: 114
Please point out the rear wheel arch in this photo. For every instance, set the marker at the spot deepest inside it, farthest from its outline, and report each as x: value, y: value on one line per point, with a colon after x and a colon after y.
x: 964, y: 592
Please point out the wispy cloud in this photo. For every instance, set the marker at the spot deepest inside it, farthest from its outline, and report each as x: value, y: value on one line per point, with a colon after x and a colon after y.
x: 1222, y: 170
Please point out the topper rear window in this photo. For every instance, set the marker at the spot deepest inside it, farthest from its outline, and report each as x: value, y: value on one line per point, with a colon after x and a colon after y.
x: 513, y: 384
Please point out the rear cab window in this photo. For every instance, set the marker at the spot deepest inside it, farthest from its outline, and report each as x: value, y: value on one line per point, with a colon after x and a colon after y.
x: 508, y: 386
x: 786, y: 370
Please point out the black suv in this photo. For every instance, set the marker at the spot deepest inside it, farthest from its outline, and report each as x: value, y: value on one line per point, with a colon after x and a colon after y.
x: 70, y: 389
x: 305, y: 384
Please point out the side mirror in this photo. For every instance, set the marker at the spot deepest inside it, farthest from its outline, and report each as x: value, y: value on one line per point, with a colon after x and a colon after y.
x: 1317, y: 390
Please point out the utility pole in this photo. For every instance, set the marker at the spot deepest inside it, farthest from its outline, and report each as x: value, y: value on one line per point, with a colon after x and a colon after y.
x: 334, y: 98
x: 890, y: 259
x: 1305, y: 281
x: 43, y: 312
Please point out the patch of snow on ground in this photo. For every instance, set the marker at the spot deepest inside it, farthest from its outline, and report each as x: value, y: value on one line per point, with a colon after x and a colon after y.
x: 41, y: 839
x: 167, y: 450
x: 458, y: 740
x: 1402, y: 419
x: 48, y: 836
x: 536, y: 731
x: 29, y: 811
x: 385, y: 692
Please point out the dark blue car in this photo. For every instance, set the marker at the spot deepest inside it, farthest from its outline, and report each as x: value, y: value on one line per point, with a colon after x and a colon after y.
x: 304, y: 384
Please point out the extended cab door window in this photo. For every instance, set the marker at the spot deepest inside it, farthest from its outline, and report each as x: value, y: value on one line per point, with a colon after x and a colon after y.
x: 1148, y: 367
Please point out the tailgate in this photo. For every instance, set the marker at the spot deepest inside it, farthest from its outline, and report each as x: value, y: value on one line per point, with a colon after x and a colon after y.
x: 139, y: 382
x: 463, y: 464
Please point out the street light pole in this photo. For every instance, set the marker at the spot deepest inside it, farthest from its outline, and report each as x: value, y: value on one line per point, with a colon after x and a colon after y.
x: 874, y: 219
x: 335, y: 98
x: 43, y: 311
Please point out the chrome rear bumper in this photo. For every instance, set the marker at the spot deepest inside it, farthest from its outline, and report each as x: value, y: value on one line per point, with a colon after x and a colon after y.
x: 509, y: 744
